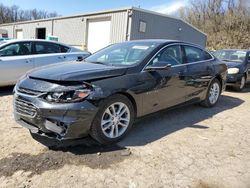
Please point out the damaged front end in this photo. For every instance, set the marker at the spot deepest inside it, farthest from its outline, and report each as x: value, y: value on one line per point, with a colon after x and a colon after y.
x: 61, y: 110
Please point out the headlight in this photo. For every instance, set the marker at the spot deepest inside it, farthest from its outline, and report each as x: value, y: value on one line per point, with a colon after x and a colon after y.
x: 68, y: 96
x: 233, y: 71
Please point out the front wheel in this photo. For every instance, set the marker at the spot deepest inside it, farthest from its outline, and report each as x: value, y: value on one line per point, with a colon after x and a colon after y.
x: 213, y: 94
x: 113, y: 120
x: 242, y: 84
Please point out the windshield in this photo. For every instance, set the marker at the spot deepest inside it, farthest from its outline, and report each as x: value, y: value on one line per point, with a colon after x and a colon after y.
x: 231, y: 55
x: 123, y: 54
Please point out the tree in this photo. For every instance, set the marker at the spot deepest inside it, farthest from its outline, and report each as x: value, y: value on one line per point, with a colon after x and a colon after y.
x: 226, y: 22
x: 15, y: 14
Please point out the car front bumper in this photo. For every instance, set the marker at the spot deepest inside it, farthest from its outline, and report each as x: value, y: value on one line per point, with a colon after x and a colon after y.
x: 234, y: 79
x: 59, y: 121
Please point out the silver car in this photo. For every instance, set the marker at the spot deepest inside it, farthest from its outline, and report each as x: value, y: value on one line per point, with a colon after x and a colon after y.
x: 19, y: 56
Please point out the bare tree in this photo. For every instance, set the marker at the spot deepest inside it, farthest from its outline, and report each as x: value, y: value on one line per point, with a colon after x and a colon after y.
x: 15, y: 14
x: 226, y: 22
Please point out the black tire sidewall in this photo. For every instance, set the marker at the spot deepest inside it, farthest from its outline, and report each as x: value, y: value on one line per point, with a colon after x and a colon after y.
x: 96, y: 130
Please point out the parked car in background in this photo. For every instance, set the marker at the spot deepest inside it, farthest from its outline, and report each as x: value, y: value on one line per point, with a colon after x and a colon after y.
x: 238, y: 62
x: 103, y: 95
x: 19, y: 56
x: 1, y: 39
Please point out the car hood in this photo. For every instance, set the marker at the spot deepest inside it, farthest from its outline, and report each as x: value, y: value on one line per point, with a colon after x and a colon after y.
x: 232, y: 64
x: 76, y: 71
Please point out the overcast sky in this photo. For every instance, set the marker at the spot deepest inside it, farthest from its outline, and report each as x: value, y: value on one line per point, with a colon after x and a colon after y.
x: 70, y: 7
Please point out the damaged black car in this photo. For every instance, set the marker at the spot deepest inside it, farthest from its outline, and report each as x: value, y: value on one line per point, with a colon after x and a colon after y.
x: 102, y: 95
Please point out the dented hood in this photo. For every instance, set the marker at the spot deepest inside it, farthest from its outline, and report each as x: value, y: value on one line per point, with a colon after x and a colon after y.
x: 76, y: 71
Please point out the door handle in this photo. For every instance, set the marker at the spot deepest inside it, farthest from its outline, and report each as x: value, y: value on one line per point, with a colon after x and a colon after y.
x: 181, y: 73
x: 62, y: 57
x: 27, y: 61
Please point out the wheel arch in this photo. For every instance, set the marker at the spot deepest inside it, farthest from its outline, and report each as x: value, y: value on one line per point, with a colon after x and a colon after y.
x: 218, y: 77
x: 131, y: 99
x: 246, y: 75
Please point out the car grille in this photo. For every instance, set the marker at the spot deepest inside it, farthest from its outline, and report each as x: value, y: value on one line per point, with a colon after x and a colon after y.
x: 29, y: 92
x: 25, y: 108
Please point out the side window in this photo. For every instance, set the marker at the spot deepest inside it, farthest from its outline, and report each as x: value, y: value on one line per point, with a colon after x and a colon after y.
x: 193, y: 54
x: 46, y: 48
x: 170, y: 55
x: 207, y: 56
x: 64, y: 49
x: 16, y: 49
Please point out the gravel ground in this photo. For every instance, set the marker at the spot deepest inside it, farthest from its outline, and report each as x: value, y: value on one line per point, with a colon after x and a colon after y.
x: 186, y: 147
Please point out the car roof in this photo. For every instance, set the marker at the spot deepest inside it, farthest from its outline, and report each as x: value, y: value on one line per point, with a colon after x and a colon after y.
x: 244, y: 50
x: 32, y: 40
x: 163, y: 41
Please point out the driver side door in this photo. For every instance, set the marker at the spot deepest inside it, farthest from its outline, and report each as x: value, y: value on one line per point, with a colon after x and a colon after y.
x: 170, y: 82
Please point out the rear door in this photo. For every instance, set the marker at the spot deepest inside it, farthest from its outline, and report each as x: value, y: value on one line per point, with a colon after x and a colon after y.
x: 15, y: 61
x: 200, y: 71
x: 46, y: 53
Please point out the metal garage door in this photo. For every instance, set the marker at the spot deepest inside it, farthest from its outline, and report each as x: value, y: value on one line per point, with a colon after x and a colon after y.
x: 98, y: 35
x: 19, y: 34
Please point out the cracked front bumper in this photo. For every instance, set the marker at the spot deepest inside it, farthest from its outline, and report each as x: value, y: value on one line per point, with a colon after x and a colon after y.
x: 59, y: 121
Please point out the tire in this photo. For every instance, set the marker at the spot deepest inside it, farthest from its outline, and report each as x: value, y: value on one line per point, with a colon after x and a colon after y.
x: 107, y: 127
x: 215, y: 88
x: 241, y: 86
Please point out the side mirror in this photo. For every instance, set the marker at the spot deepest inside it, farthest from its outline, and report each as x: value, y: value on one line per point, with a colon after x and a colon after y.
x: 79, y: 58
x: 158, y: 66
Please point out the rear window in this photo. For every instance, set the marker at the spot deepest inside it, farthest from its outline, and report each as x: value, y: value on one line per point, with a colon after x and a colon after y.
x: 207, y: 56
x: 46, y: 48
x: 64, y: 49
x: 193, y: 54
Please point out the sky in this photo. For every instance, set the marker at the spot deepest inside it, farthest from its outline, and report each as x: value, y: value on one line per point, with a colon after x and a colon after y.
x: 71, y: 7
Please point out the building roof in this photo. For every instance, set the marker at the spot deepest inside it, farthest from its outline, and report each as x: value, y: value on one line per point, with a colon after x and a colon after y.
x: 72, y: 16
x: 104, y: 12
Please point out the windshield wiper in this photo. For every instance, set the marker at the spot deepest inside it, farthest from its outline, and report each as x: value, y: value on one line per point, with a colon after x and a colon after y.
x: 226, y: 60
x: 98, y: 62
x: 102, y: 63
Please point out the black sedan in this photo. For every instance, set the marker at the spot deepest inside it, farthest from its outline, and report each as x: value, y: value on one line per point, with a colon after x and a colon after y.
x: 102, y: 96
x: 238, y: 62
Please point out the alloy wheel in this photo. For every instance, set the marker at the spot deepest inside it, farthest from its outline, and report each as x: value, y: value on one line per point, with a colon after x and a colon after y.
x: 243, y: 82
x: 214, y: 93
x: 115, y: 120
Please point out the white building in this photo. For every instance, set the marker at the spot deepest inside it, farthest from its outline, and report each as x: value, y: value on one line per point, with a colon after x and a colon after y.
x: 93, y: 31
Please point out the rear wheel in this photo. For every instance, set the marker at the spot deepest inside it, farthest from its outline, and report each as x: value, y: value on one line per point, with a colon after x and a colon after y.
x: 113, y: 120
x: 213, y: 94
x: 242, y: 84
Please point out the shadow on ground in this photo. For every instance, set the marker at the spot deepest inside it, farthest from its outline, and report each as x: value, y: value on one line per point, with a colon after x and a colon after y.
x: 163, y: 123
x: 4, y: 91
x: 245, y: 90
x: 93, y: 157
